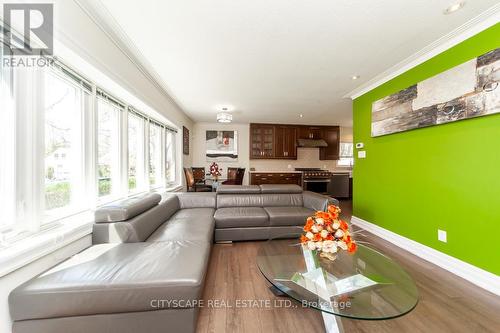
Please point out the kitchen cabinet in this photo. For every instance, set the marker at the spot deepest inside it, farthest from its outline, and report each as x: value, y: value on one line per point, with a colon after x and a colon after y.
x: 259, y: 178
x: 279, y: 141
x: 285, y: 142
x: 331, y: 135
x: 310, y: 132
x: 261, y: 141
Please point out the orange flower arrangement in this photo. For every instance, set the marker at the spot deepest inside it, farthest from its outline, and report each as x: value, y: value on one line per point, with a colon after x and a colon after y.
x: 327, y: 233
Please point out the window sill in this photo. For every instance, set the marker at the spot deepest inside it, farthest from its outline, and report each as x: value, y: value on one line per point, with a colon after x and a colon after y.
x: 31, y: 248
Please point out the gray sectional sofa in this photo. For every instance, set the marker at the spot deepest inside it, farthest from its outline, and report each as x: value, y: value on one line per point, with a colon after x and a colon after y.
x: 264, y: 212
x: 146, y: 268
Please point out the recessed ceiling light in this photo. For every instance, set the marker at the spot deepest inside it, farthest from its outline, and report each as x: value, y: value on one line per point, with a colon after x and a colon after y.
x: 301, y: 115
x: 355, y: 77
x: 454, y: 7
x: 224, y: 108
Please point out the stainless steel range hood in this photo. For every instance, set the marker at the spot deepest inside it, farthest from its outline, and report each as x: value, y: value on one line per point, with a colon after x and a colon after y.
x: 311, y: 143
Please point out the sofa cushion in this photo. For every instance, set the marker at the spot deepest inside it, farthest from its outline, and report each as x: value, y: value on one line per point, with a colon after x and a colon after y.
x: 318, y: 201
x: 114, y: 278
x: 280, y: 188
x: 238, y: 189
x: 282, y: 200
x: 288, y: 215
x: 193, y: 213
x: 138, y: 228
x: 196, y: 200
x: 239, y: 200
x: 234, y: 217
x: 126, y: 209
x: 193, y: 224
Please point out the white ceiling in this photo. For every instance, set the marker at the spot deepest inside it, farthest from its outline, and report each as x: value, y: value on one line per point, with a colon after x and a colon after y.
x: 273, y: 60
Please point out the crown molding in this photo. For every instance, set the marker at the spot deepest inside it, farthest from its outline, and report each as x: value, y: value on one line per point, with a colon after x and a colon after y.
x: 101, y: 16
x: 472, y: 27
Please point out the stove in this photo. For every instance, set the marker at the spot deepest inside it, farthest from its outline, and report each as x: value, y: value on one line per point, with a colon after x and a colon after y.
x: 314, y: 173
x: 315, y: 179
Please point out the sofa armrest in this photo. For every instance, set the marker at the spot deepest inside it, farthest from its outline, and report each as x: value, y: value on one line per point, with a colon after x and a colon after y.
x: 196, y: 200
x: 317, y: 201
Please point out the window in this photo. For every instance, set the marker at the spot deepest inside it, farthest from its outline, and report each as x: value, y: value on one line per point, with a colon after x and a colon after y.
x: 67, y: 146
x: 7, y: 146
x: 63, y: 181
x: 346, y: 155
x: 155, y: 154
x: 108, y: 148
x: 136, y: 163
x: 169, y: 157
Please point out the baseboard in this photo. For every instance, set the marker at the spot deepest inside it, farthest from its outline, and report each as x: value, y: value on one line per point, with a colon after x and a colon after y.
x: 473, y: 274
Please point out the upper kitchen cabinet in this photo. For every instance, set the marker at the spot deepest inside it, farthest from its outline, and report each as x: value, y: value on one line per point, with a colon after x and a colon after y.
x: 261, y: 141
x: 331, y: 134
x: 310, y: 132
x: 278, y: 141
x: 285, y: 142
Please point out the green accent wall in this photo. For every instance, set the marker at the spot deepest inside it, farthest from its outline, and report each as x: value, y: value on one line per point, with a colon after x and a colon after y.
x: 441, y: 177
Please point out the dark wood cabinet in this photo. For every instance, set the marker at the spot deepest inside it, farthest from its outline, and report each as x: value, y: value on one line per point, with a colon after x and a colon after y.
x: 261, y: 141
x: 278, y: 141
x: 285, y: 142
x: 310, y: 132
x: 259, y: 178
x: 331, y: 135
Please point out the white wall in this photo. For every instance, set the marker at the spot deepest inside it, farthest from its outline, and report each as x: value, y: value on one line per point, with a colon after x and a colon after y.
x: 346, y: 134
x: 76, y: 30
x: 199, y: 148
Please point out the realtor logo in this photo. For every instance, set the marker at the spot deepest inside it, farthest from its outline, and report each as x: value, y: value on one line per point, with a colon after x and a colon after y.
x: 36, y: 20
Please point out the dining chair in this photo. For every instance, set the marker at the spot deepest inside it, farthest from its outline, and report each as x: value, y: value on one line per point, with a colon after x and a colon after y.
x: 235, y: 176
x: 199, y: 175
x: 191, y: 183
x: 231, y: 175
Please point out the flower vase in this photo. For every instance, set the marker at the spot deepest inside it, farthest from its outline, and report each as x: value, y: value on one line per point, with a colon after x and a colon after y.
x: 329, y: 256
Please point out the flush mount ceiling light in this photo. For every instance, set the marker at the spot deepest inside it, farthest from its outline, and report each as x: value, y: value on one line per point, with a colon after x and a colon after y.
x: 224, y: 117
x: 454, y: 7
x: 355, y: 77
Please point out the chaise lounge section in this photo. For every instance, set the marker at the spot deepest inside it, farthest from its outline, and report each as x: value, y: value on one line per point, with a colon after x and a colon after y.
x: 144, y: 272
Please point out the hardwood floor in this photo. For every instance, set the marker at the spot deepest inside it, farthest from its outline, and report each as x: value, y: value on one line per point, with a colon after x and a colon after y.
x: 447, y: 303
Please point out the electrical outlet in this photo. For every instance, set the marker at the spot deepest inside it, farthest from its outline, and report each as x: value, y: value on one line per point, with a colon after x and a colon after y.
x: 362, y: 154
x: 289, y: 166
x: 442, y: 236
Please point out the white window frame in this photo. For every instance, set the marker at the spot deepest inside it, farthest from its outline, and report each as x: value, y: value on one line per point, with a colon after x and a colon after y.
x: 121, y: 190
x: 348, y: 158
x: 30, y: 217
x: 81, y: 193
x: 173, y: 147
x: 8, y: 146
x: 160, y: 178
x: 141, y: 180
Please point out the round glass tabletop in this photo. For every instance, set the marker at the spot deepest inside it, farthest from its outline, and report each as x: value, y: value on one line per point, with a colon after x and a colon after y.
x: 362, y: 285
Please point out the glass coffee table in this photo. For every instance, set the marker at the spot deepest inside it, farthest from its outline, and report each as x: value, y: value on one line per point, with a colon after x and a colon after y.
x: 364, y: 285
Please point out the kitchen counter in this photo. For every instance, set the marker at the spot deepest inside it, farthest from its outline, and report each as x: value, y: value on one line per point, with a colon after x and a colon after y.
x: 266, y: 171
x: 275, y: 177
